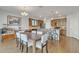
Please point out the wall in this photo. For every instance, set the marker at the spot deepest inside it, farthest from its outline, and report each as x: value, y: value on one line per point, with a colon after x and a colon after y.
x: 73, y: 25
x: 3, y: 19
x: 25, y: 22
x: 47, y: 23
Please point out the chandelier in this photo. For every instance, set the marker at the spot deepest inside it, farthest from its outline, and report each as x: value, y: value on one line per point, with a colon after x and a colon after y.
x: 24, y: 13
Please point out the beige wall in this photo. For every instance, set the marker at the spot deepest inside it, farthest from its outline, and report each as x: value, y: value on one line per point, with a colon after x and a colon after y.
x: 73, y: 25
x: 3, y: 19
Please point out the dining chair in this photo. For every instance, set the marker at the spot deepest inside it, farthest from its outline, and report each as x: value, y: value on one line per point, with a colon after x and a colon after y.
x: 18, y: 39
x: 26, y: 41
x: 39, y: 32
x: 34, y: 31
x: 54, y: 34
x: 43, y: 42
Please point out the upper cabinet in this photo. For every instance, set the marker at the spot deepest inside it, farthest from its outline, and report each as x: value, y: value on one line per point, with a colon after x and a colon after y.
x: 30, y: 21
x: 54, y: 23
x: 59, y: 23
x: 40, y: 23
x: 33, y: 23
x: 62, y: 23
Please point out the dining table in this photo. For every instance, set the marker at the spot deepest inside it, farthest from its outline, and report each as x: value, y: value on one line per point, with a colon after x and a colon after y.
x: 34, y: 37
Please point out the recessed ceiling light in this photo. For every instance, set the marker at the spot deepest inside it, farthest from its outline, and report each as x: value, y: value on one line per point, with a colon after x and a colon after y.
x: 40, y: 16
x: 57, y: 12
x: 51, y: 18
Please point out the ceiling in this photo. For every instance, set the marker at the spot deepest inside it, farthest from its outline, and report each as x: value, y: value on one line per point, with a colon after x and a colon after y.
x: 42, y: 11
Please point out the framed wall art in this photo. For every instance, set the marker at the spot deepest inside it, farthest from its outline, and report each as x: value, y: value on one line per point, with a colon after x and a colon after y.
x: 13, y: 20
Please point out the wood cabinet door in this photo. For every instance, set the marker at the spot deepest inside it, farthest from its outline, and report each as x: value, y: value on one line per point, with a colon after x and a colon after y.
x: 30, y: 21
x: 54, y: 23
x: 8, y: 36
x: 40, y: 23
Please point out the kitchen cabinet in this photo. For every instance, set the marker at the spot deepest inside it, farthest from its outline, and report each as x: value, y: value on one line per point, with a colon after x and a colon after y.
x: 60, y: 23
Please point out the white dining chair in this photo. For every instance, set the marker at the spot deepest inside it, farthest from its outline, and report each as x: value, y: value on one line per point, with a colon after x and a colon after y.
x: 34, y: 31
x: 18, y: 38
x: 43, y: 42
x: 26, y: 41
x: 54, y: 34
x: 39, y: 32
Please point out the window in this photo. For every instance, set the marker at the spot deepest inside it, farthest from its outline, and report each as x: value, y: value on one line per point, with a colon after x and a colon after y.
x: 34, y: 22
